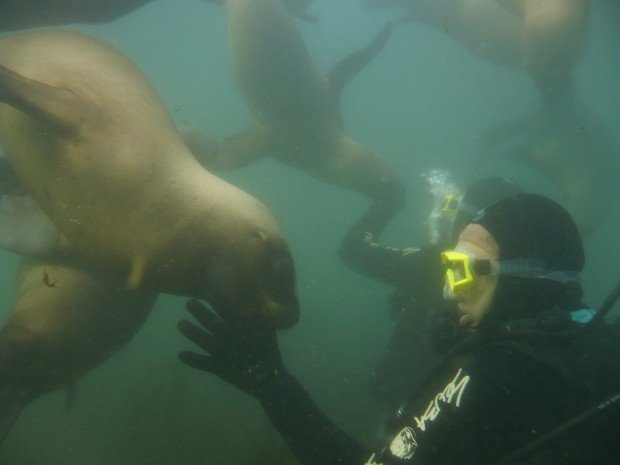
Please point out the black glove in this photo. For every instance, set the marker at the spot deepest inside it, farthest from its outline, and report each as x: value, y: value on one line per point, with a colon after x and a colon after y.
x: 246, y: 356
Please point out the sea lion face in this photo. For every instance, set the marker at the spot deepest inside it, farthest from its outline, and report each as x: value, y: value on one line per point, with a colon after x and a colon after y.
x: 257, y: 282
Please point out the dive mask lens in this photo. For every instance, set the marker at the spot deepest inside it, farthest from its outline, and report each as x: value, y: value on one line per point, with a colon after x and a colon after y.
x: 450, y: 206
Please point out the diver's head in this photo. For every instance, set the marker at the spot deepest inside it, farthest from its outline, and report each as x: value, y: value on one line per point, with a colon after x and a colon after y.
x: 479, y: 195
x: 516, y: 258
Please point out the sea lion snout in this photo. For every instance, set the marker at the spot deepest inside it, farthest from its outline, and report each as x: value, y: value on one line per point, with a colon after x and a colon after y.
x: 279, y: 303
x: 256, y: 282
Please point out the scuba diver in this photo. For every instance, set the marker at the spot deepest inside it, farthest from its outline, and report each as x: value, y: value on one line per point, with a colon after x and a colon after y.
x: 417, y: 276
x: 523, y: 364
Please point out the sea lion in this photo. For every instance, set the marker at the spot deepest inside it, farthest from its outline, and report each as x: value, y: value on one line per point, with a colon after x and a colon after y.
x: 94, y: 145
x: 564, y: 140
x: 26, y: 14
x: 296, y: 110
x: 569, y: 143
x: 68, y: 318
x: 546, y: 38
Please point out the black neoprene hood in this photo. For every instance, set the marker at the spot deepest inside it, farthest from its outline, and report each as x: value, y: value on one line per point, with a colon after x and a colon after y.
x: 479, y: 195
x: 530, y: 226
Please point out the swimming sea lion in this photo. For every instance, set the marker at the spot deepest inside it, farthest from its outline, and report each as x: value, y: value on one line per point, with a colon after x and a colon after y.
x: 94, y: 145
x: 546, y: 38
x: 567, y: 142
x: 68, y: 318
x: 26, y: 14
x: 296, y: 8
x: 296, y: 110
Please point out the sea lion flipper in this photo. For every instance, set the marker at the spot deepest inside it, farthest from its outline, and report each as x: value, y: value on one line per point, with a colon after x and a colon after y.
x: 237, y: 150
x: 353, y: 63
x: 51, y: 106
x: 244, y: 148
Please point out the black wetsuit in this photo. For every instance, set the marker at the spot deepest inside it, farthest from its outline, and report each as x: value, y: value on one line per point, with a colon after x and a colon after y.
x: 477, y: 408
x: 417, y: 276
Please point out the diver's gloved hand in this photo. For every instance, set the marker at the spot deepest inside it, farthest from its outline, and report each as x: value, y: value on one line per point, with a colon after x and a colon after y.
x: 246, y: 357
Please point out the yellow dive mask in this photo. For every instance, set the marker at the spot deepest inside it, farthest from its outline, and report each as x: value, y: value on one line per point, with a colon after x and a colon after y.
x: 462, y: 269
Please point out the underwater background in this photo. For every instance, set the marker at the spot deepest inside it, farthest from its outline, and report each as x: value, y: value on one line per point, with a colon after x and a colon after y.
x: 423, y: 104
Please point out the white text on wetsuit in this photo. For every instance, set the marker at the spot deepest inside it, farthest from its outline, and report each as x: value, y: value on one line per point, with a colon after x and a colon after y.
x: 453, y: 391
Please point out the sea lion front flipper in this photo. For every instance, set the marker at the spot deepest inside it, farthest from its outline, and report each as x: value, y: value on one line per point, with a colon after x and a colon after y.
x: 353, y: 63
x: 54, y: 107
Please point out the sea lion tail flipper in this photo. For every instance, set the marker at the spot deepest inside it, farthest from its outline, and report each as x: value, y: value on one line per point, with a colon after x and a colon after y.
x: 52, y: 106
x: 12, y: 402
x: 352, y: 64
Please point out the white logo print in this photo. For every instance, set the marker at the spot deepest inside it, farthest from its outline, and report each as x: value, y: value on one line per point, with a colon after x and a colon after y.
x: 404, y: 444
x: 371, y: 461
x: 456, y: 387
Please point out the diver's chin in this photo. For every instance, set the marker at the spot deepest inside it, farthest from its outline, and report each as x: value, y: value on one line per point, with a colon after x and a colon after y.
x: 465, y: 319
